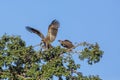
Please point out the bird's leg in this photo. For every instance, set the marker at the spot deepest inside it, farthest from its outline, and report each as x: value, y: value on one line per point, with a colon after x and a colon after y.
x: 49, y: 46
x: 46, y: 45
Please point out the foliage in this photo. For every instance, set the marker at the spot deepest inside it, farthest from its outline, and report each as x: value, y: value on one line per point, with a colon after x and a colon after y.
x: 18, y: 61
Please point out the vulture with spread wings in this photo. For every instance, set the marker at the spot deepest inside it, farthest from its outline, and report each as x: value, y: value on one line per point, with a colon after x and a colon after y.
x: 66, y: 43
x: 51, y: 35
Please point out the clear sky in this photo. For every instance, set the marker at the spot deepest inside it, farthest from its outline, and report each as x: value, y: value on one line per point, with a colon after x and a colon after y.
x: 81, y: 20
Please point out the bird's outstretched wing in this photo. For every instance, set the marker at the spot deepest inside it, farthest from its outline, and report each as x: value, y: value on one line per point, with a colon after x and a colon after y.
x: 32, y: 30
x: 52, y: 30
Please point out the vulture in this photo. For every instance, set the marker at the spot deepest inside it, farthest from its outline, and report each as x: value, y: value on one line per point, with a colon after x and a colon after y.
x: 66, y: 43
x: 51, y: 35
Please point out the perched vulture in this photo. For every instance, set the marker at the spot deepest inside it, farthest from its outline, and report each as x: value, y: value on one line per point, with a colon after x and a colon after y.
x: 67, y: 44
x: 51, y: 35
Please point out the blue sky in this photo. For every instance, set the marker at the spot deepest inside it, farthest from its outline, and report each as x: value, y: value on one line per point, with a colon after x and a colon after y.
x: 81, y: 20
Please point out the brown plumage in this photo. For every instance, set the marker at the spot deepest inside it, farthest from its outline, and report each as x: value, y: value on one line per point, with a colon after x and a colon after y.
x: 51, y: 35
x: 66, y: 43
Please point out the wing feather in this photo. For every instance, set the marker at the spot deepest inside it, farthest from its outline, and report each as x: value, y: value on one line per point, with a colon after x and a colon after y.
x: 53, y: 30
x: 32, y: 30
x: 68, y: 44
x: 68, y: 41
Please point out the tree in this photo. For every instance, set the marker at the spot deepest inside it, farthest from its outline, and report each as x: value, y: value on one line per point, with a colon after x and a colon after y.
x: 18, y: 61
